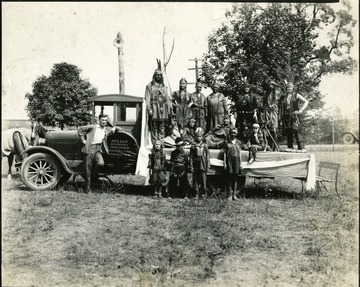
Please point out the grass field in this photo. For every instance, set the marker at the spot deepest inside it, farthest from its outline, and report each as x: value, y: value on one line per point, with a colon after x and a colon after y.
x: 128, y: 238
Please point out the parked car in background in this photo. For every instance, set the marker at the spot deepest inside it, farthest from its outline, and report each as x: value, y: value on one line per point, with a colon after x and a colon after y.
x: 350, y: 137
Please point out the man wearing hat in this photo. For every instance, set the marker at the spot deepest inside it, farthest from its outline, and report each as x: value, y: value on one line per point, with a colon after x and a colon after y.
x: 180, y: 165
x: 200, y: 156
x: 217, y: 107
x: 246, y: 107
x: 158, y: 104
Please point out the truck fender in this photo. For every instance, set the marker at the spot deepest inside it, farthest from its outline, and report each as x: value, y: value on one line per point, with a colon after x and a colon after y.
x: 354, y: 135
x: 50, y: 151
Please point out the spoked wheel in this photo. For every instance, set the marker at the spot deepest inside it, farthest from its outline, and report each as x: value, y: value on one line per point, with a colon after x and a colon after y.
x: 40, y: 171
x: 348, y: 138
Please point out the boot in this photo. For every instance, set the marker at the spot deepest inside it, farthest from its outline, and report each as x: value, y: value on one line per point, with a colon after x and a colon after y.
x: 234, y: 197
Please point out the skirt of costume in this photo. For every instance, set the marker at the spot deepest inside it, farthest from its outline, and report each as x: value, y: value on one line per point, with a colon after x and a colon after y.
x: 158, y: 177
x: 233, y: 165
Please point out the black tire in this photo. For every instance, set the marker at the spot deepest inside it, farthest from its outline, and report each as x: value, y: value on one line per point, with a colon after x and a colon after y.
x: 40, y: 171
x: 348, y: 138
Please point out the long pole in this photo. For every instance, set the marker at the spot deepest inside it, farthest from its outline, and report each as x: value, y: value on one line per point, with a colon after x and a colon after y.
x: 333, y: 133
x: 197, y: 69
x: 119, y: 43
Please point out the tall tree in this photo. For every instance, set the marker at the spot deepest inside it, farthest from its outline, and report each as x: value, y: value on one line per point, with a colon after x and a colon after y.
x: 61, y: 98
x: 284, y: 42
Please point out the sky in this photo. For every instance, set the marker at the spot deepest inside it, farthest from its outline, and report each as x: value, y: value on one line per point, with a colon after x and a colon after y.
x: 36, y: 35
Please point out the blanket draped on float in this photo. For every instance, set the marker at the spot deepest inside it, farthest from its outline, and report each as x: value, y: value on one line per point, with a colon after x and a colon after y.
x: 274, y: 164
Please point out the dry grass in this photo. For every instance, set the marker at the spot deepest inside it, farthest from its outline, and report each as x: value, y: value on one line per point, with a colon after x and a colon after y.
x: 127, y: 238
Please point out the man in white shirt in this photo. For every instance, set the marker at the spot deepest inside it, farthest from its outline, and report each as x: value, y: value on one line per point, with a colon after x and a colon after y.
x: 93, y: 137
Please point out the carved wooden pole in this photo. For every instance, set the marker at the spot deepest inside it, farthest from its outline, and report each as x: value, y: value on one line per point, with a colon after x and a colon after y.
x: 119, y: 43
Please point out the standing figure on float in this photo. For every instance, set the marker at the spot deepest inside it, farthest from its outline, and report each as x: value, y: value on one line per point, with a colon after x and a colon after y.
x: 290, y: 112
x: 217, y: 108
x: 159, y: 106
x: 246, y: 107
x: 271, y: 113
x: 181, y: 101
x: 198, y: 106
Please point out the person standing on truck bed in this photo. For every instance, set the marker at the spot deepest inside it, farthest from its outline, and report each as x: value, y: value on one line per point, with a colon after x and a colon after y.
x: 217, y: 107
x: 181, y: 104
x: 198, y: 106
x: 94, y: 139
x: 289, y: 114
x: 245, y: 112
x: 158, y: 104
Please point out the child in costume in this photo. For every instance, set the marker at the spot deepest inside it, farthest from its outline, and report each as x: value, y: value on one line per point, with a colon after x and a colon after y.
x: 181, y: 164
x: 232, y: 162
x: 157, y: 169
x: 200, y: 156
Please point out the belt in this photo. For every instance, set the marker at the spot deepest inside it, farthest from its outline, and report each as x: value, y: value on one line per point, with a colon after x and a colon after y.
x: 245, y: 112
x: 96, y: 144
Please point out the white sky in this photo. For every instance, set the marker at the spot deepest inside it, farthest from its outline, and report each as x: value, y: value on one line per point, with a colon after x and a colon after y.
x: 37, y: 35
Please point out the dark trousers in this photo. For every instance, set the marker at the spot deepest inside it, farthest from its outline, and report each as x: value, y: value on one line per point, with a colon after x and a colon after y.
x: 10, y: 158
x: 93, y: 157
x: 290, y: 140
x: 291, y: 126
x: 178, y: 185
x: 200, y: 182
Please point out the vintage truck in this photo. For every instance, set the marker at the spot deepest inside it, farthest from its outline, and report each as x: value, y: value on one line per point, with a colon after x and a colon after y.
x: 59, y: 157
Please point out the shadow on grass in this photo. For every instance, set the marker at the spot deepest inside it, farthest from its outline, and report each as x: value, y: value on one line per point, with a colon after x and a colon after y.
x: 134, y: 188
x: 258, y: 192
x: 105, y: 186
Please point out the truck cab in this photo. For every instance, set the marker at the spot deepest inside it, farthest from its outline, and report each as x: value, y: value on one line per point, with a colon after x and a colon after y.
x: 59, y: 157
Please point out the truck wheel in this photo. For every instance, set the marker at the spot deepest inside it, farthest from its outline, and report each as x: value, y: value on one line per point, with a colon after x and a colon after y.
x: 348, y: 138
x: 40, y: 171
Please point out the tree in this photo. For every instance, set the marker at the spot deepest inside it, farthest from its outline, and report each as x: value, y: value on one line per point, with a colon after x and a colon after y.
x: 318, y: 127
x: 282, y: 42
x: 61, y: 98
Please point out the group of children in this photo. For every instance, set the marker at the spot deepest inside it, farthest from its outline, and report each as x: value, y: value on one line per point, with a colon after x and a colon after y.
x: 173, y: 176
